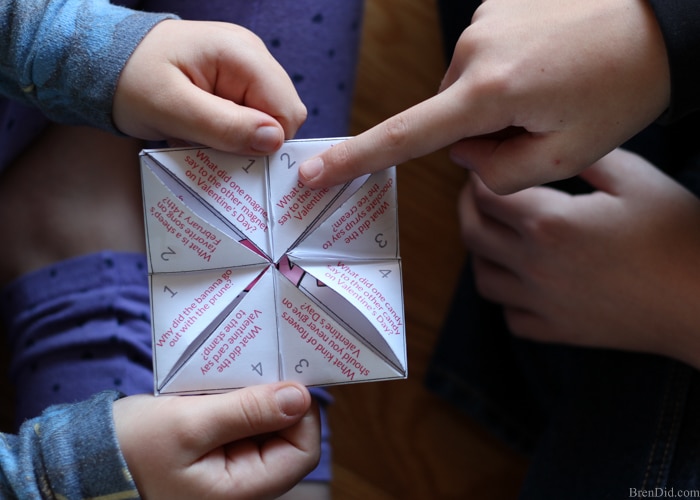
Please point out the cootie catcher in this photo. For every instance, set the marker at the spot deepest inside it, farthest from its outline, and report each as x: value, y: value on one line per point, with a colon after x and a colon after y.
x: 256, y: 278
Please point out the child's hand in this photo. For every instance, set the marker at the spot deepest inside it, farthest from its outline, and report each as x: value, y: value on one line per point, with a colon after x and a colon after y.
x: 617, y: 268
x: 210, y: 83
x: 255, y: 442
x: 566, y: 81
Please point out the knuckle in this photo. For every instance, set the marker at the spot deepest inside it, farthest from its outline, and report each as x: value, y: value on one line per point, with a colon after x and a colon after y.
x: 298, y: 115
x: 253, y: 412
x: 395, y: 133
x: 489, y: 82
x: 243, y: 34
x: 301, y: 113
x: 341, y: 157
x: 492, y: 181
x: 227, y: 136
x: 340, y: 154
x: 496, y: 81
x: 545, y: 228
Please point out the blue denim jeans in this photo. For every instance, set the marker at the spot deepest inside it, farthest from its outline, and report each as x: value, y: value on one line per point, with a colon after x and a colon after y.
x: 595, y: 423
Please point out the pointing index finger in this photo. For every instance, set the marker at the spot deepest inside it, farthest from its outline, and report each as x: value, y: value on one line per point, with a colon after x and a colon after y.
x: 421, y: 129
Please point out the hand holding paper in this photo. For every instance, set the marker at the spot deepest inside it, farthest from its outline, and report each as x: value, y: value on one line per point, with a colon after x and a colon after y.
x: 209, y: 83
x: 254, y: 443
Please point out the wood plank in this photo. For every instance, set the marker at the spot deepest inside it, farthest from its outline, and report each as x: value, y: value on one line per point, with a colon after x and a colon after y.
x: 395, y: 439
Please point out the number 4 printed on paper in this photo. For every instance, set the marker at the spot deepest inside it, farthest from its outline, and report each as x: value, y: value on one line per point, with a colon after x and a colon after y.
x: 264, y: 279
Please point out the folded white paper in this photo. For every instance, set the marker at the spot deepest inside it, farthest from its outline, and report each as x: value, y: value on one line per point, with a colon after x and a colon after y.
x: 256, y: 278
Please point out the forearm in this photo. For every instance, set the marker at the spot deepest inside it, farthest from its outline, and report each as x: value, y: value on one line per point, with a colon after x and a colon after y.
x: 70, y: 451
x: 66, y: 57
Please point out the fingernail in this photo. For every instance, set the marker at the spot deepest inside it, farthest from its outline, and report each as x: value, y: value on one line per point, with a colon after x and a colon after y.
x: 290, y: 401
x: 266, y: 139
x: 311, y: 168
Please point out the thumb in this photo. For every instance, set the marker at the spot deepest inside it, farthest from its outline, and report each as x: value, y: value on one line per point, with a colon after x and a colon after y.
x: 249, y: 412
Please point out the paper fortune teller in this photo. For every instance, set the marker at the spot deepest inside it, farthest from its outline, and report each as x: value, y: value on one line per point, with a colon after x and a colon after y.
x: 256, y: 278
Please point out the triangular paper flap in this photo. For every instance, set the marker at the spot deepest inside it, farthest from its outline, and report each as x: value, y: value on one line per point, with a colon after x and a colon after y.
x: 179, y: 240
x: 343, y: 196
x: 241, y: 351
x: 190, y: 198
x: 364, y: 227
x: 232, y: 185
x: 186, y: 306
x: 294, y: 208
x: 317, y: 350
x: 360, y: 293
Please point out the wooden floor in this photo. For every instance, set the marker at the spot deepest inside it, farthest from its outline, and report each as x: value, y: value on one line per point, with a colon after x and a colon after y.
x: 394, y: 439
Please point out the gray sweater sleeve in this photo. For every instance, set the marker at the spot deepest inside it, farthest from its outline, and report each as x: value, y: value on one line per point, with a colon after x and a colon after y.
x: 65, y: 57
x: 70, y: 451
